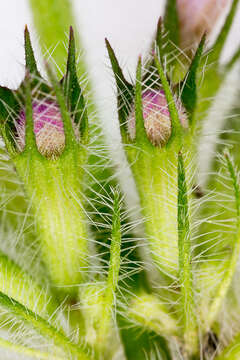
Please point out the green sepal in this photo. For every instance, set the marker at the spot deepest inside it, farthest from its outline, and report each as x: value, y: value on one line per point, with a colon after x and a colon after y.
x: 177, y: 130
x: 150, y: 77
x: 37, y: 82
x: 189, y: 84
x: 70, y: 138
x: 141, y: 135
x: 125, y: 91
x: 30, y: 61
x: 73, y: 91
x: 12, y: 101
x: 222, y: 37
x: 8, y: 102
x: 171, y: 26
x: 30, y: 138
x: 159, y: 37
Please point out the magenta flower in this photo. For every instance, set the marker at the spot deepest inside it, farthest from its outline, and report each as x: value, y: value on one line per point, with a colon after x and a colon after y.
x: 156, y: 116
x: 48, y: 128
x: 197, y: 17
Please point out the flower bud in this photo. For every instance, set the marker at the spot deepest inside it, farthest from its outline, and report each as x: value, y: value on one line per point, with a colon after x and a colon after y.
x: 197, y: 17
x: 156, y: 116
x: 48, y: 128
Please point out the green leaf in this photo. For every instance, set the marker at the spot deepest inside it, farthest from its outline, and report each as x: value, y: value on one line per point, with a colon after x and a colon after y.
x: 36, y: 322
x: 185, y: 263
x: 189, y: 91
x: 125, y: 91
x: 73, y: 91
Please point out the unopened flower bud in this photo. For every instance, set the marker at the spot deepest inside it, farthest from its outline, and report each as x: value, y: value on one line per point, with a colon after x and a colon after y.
x: 197, y: 17
x: 156, y: 116
x: 48, y: 128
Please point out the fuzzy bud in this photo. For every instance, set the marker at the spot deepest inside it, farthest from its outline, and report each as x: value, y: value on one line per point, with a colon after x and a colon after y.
x: 197, y: 17
x: 48, y: 128
x: 156, y: 116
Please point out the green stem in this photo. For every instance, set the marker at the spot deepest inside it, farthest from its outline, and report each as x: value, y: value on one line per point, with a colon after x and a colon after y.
x: 55, y: 191
x: 155, y: 173
x: 113, y: 272
x: 58, y: 17
x: 185, y: 260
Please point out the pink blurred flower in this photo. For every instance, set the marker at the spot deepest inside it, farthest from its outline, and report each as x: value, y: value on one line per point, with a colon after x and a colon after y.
x: 197, y: 17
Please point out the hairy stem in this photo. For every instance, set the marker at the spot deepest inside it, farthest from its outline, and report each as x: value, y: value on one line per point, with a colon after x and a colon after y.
x: 185, y: 261
x: 113, y: 272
